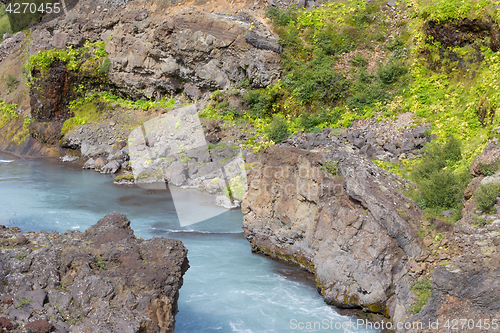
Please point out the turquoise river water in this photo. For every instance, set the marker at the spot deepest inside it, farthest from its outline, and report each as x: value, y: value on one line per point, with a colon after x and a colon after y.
x: 227, y: 288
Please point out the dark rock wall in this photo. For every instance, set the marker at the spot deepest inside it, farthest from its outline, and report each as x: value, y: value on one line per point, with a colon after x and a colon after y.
x: 354, y: 230
x: 101, y: 280
x: 157, y: 50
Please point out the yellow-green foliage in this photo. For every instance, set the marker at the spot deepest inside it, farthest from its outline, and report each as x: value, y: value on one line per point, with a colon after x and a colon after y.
x: 422, y: 290
x: 445, y: 10
x: 4, y: 22
x: 85, y: 110
x: 162, y: 103
x: 90, y: 57
x: 455, y: 89
x: 7, y: 112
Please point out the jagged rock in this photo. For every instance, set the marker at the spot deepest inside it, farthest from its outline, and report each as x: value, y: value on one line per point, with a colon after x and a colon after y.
x: 490, y: 158
x: 188, y: 49
x: 463, y: 32
x: 90, y: 164
x: 175, y: 174
x: 353, y: 229
x: 6, y: 324
x: 111, y: 167
x: 99, y: 164
x: 39, y: 326
x: 102, y: 280
x: 70, y: 158
x: 224, y: 202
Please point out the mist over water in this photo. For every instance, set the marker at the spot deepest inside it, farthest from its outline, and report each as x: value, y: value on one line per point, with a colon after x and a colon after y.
x: 227, y: 288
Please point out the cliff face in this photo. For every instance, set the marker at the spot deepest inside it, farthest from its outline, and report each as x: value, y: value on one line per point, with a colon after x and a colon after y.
x: 156, y: 49
x: 102, y: 280
x: 340, y: 217
x: 467, y: 286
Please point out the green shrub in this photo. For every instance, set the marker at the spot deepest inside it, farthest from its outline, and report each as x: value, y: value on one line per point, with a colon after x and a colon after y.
x: 442, y: 188
x: 422, y: 289
x: 281, y: 17
x: 316, y: 80
x: 331, y: 42
x: 359, y: 61
x: 395, y: 44
x: 391, y: 72
x: 278, y: 129
x: 101, y: 263
x: 487, y: 169
x: 259, y: 102
x: 309, y: 122
x: 11, y: 80
x: 104, y: 70
x: 438, y: 185
x: 4, y: 21
x: 331, y: 168
x: 486, y: 196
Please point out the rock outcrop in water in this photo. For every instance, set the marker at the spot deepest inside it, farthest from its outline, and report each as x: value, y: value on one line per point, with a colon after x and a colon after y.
x: 102, y: 280
x: 340, y: 217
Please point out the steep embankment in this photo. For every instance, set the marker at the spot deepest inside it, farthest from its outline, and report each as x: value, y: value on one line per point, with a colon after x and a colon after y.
x: 102, y: 280
x: 340, y: 217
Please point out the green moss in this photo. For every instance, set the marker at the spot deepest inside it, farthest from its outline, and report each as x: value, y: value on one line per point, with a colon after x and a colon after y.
x: 90, y: 57
x: 422, y: 290
x: 127, y: 177
x: 21, y: 255
x: 287, y: 257
x: 331, y: 168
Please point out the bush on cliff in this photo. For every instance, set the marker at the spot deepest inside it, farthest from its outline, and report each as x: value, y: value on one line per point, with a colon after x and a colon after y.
x: 278, y: 129
x: 486, y: 197
x: 437, y: 185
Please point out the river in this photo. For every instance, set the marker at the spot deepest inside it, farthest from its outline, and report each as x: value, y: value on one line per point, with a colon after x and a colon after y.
x: 227, y: 288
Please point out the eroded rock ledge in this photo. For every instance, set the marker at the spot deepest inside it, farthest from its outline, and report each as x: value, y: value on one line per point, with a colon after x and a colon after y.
x: 102, y: 280
x: 341, y: 217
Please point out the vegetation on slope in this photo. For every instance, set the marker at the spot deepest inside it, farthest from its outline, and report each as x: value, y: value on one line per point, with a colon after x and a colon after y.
x: 354, y: 59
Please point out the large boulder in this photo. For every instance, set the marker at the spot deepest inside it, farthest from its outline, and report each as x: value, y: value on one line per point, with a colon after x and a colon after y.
x: 102, y: 280
x: 342, y: 218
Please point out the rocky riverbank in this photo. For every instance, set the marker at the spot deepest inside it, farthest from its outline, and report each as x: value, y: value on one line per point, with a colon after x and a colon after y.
x: 340, y: 217
x: 101, y: 280
x: 344, y: 219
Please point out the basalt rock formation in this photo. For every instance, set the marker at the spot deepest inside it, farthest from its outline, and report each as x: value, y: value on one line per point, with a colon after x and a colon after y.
x: 157, y: 49
x: 102, y: 280
x: 340, y: 217
x: 467, y: 287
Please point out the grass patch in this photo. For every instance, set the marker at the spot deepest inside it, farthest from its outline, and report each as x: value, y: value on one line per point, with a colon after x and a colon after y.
x: 91, y: 57
x: 21, y: 255
x: 24, y: 301
x: 101, y: 263
x: 7, y: 112
x: 422, y: 290
x: 330, y: 168
x: 127, y: 177
x: 486, y: 197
